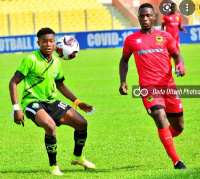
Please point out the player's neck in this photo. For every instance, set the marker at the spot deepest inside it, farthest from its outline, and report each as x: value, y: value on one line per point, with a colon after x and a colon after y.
x: 49, y: 57
x: 148, y: 31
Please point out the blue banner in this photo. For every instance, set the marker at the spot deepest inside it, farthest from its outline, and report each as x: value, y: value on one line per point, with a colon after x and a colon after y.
x: 193, y: 35
x: 88, y: 40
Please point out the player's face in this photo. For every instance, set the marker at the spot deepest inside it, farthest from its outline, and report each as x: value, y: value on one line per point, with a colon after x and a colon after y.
x: 47, y: 44
x: 146, y: 18
x: 173, y: 8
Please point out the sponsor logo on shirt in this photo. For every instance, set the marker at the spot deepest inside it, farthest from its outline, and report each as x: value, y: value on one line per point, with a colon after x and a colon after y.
x: 141, y: 52
x: 174, y: 23
x: 139, y: 41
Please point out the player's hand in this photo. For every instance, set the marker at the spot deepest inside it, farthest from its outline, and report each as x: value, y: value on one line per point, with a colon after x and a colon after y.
x: 185, y: 31
x: 86, y: 107
x: 19, y: 117
x: 123, y: 89
x: 180, y: 70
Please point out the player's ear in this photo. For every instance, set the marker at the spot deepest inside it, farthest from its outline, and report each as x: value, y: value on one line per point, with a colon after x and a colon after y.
x: 38, y: 43
x: 154, y: 16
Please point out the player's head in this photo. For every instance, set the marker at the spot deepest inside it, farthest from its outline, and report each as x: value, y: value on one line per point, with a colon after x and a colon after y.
x: 173, y: 8
x: 46, y: 41
x: 146, y: 16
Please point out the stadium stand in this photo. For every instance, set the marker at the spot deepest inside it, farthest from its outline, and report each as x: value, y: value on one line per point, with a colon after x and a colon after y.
x: 4, y: 30
x: 47, y: 14
x: 197, y: 7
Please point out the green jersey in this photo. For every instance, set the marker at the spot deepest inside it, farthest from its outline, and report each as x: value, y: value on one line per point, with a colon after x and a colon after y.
x: 40, y: 76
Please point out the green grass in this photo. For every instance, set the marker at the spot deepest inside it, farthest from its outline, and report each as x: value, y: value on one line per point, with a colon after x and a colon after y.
x: 122, y: 139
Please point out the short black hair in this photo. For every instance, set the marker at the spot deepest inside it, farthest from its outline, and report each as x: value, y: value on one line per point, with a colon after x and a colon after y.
x: 173, y: 3
x: 44, y: 31
x: 146, y: 5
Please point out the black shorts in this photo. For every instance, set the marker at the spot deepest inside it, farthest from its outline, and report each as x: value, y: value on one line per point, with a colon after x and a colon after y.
x: 56, y: 110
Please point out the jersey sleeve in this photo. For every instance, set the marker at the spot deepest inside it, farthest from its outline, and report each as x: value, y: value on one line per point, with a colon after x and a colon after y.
x: 171, y: 44
x: 60, y: 76
x: 24, y: 68
x: 127, y: 51
x: 164, y: 20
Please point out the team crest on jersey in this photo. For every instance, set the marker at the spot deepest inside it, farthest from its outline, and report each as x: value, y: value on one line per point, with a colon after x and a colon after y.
x: 149, y: 98
x: 35, y: 105
x: 159, y: 39
x: 55, y: 75
x: 177, y: 18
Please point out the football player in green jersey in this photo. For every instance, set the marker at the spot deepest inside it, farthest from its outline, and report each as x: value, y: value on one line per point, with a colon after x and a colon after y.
x: 43, y: 77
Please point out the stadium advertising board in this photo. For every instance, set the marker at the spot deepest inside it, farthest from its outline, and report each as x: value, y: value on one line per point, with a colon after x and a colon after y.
x: 88, y: 40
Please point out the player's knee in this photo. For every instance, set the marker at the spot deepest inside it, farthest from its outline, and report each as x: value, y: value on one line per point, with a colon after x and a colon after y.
x: 159, y: 115
x: 50, y: 127
x: 181, y: 127
x: 163, y: 120
x: 83, y: 124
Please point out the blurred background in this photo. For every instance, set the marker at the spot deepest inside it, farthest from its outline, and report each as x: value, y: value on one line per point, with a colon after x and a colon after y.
x: 20, y: 17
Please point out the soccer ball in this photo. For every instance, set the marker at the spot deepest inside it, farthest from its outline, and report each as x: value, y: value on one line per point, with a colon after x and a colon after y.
x: 67, y: 47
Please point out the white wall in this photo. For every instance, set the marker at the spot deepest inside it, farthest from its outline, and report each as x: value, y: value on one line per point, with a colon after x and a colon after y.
x: 105, y: 1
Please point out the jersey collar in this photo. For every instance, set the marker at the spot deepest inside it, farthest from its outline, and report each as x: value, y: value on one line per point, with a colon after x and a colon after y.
x: 45, y: 58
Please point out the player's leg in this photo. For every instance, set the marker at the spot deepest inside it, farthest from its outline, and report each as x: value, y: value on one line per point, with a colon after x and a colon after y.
x: 174, y: 111
x: 78, y: 122
x: 176, y: 127
x: 40, y: 117
x: 155, y: 107
x: 46, y: 122
x: 176, y: 123
x: 164, y: 133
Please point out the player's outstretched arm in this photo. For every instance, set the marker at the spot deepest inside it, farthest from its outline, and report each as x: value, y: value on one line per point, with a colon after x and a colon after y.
x: 179, y: 64
x: 123, y: 69
x: 69, y: 95
x: 18, y: 114
x: 182, y: 29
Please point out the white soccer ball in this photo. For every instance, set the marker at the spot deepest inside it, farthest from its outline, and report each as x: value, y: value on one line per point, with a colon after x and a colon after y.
x: 67, y: 47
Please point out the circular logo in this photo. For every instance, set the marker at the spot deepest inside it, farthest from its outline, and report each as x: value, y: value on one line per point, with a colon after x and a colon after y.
x: 140, y: 92
x: 144, y: 92
x: 165, y: 7
x: 187, y: 7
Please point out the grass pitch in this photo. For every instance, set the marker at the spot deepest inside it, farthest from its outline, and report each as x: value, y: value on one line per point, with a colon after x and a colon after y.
x: 122, y: 139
